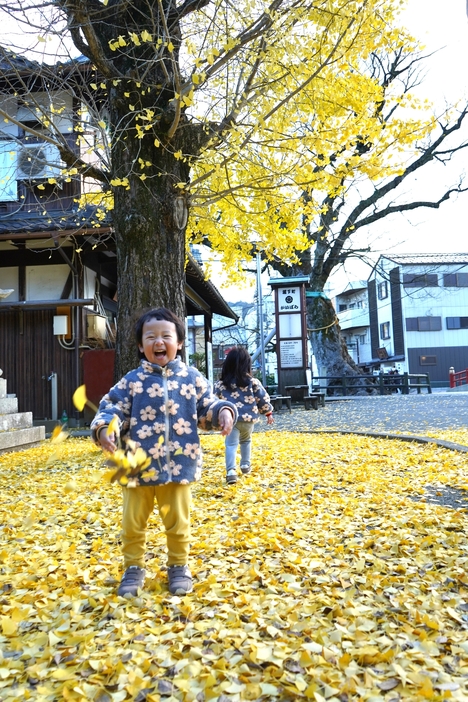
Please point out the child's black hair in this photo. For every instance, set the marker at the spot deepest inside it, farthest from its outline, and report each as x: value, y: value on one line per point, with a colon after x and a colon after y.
x: 237, y: 368
x: 158, y: 313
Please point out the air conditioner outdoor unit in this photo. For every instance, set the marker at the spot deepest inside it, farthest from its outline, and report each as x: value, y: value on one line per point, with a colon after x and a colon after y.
x: 38, y: 162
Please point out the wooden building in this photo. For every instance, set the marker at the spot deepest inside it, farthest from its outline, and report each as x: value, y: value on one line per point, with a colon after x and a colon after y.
x: 58, y: 273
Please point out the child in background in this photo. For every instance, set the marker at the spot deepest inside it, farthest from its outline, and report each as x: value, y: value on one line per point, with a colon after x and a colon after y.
x: 251, y: 399
x: 159, y: 406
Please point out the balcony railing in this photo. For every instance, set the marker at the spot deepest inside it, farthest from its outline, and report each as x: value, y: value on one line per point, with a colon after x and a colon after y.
x: 358, y: 317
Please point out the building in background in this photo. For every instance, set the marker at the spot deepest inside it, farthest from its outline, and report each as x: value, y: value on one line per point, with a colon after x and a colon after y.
x: 418, y: 313
x: 246, y: 333
x: 352, y: 309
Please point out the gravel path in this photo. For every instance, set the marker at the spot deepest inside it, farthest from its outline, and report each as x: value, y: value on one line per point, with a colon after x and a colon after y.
x: 394, y: 413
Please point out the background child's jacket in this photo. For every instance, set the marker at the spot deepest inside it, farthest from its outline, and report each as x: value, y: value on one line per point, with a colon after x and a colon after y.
x: 250, y: 401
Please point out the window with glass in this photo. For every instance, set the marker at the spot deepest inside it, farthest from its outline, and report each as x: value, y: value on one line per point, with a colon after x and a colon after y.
x: 385, y: 330
x: 420, y: 280
x: 457, y: 322
x: 382, y: 290
x: 423, y: 324
x: 456, y: 280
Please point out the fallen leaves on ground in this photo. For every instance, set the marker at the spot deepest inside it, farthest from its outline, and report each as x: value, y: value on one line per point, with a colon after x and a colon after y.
x: 316, y: 577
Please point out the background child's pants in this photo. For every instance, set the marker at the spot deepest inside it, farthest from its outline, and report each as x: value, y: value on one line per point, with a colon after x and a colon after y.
x: 174, y: 501
x: 241, y: 433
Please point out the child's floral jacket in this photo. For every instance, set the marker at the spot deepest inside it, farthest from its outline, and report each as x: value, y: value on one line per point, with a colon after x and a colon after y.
x: 160, y: 410
x: 250, y: 401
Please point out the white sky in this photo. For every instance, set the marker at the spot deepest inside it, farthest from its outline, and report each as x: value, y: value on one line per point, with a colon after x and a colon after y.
x: 443, y: 28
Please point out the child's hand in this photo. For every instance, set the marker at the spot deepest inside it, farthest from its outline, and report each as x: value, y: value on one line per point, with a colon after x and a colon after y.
x: 226, y: 421
x: 107, y: 441
x: 270, y: 419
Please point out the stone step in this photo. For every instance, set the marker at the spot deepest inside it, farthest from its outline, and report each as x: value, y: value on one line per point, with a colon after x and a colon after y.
x: 8, y: 405
x: 16, y: 420
x: 21, y: 439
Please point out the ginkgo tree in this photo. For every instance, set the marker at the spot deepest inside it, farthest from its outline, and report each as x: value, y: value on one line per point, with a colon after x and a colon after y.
x: 200, y: 105
x: 352, y: 153
x: 388, y: 138
x: 228, y: 123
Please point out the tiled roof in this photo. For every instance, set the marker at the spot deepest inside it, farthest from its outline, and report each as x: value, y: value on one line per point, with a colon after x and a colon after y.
x: 54, y: 220
x: 427, y: 259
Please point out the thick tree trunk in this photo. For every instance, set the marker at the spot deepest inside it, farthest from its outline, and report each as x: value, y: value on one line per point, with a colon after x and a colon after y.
x: 150, y: 238
x: 329, y: 348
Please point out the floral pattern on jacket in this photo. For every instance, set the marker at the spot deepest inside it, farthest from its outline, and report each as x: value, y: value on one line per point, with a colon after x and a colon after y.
x: 160, y: 409
x: 250, y: 401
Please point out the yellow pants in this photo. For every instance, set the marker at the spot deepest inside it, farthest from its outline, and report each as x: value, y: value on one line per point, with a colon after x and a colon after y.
x: 174, y: 502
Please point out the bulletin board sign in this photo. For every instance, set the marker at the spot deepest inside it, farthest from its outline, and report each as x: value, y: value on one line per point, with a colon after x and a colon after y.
x: 291, y: 353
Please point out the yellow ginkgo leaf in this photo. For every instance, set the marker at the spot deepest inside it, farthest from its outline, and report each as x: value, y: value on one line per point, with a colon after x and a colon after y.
x: 108, y: 475
x: 140, y: 456
x: 114, y: 426
x: 8, y: 626
x: 79, y: 398
x: 70, y: 486
x: 58, y: 435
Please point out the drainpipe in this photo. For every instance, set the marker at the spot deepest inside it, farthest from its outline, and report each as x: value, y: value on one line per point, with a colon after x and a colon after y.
x: 53, y: 388
x: 74, y: 272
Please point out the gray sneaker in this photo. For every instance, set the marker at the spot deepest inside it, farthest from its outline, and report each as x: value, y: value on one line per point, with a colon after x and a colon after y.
x: 231, y: 476
x: 245, y: 468
x: 180, y: 580
x: 132, y: 581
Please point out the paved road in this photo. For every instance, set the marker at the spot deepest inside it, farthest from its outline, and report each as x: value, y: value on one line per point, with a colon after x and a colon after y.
x: 395, y: 413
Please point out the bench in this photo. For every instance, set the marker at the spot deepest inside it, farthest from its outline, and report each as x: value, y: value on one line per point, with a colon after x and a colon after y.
x: 297, y: 392
x: 311, y: 402
x: 277, y: 402
x: 314, y: 399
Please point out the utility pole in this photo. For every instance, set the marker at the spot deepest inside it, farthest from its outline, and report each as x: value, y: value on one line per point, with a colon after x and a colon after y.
x: 260, y: 315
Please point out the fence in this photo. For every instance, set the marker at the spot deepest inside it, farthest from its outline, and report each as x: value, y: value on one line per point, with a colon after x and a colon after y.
x: 384, y: 383
x: 459, y: 378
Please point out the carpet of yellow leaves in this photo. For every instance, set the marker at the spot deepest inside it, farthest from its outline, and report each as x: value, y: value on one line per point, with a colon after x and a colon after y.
x: 316, y: 577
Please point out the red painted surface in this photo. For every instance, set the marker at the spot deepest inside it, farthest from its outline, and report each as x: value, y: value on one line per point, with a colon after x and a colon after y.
x: 460, y: 378
x: 98, y: 373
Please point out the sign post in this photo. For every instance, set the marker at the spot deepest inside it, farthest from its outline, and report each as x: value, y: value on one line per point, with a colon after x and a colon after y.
x: 291, y: 331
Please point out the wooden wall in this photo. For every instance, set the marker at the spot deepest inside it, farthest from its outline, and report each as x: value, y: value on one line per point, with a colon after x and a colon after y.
x: 29, y: 352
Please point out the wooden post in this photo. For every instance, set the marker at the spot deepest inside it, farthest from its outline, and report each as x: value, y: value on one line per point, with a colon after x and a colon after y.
x: 405, y: 388
x: 381, y: 383
x: 344, y: 383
